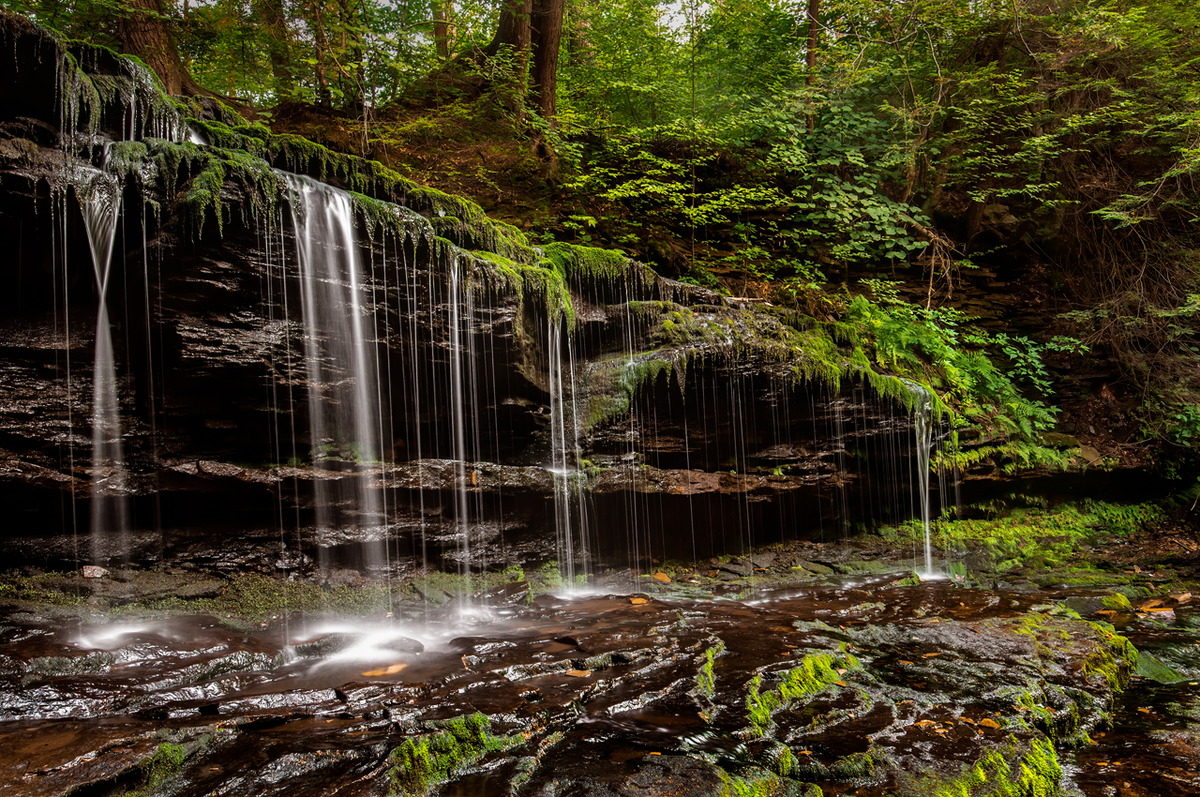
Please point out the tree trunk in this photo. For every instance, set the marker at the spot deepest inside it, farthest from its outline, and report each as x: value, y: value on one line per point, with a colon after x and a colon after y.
x: 443, y: 22
x: 279, y: 47
x: 547, y: 24
x: 512, y: 32
x: 350, y: 57
x: 144, y: 33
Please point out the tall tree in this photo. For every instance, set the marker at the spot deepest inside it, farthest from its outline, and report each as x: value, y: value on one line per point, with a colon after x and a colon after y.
x: 144, y: 32
x: 279, y: 46
x: 546, y: 24
x: 532, y: 30
x: 443, y: 24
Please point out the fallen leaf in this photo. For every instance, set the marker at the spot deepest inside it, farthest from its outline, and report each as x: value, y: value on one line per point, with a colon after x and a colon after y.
x: 713, y: 573
x: 930, y: 655
x: 1107, y: 612
x: 939, y: 730
x: 1182, y: 597
x: 1144, y: 710
x: 391, y: 670
x: 967, y: 720
x: 654, y: 753
x: 663, y: 577
x: 1137, y: 569
x: 840, y: 670
x: 578, y: 673
x: 924, y: 723
x: 1148, y: 605
x: 1161, y: 609
x: 804, y: 752
x: 840, y: 683
x: 638, y: 601
x: 989, y: 723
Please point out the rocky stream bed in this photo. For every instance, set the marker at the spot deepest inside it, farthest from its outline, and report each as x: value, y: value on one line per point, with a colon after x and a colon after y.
x: 750, y: 676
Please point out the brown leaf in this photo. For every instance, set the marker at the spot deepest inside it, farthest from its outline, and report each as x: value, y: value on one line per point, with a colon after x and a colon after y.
x: 840, y: 683
x: 1182, y: 597
x: 989, y: 723
x: 391, y: 670
x: 663, y: 577
x: 638, y: 601
x: 905, y: 661
x: 578, y: 673
x: 967, y: 720
x: 1148, y: 605
x: 1144, y: 710
x: 924, y: 723
x: 930, y: 655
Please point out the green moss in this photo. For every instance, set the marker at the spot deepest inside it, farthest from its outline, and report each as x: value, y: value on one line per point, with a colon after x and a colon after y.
x: 1038, y: 774
x: 751, y: 782
x: 1118, y: 603
x: 161, y: 767
x: 423, y: 762
x: 1114, y: 658
x: 705, y: 678
x: 815, y: 673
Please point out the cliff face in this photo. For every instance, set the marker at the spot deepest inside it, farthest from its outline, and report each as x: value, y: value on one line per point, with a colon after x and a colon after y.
x: 517, y: 395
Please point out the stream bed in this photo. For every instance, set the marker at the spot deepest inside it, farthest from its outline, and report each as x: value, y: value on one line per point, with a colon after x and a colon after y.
x: 848, y: 685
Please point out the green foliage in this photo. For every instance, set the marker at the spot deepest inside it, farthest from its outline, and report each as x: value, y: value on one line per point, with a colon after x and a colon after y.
x: 424, y: 762
x: 1000, y: 774
x: 815, y: 673
x: 705, y: 678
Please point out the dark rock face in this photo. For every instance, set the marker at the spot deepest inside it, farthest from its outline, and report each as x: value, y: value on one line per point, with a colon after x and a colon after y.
x: 679, y: 434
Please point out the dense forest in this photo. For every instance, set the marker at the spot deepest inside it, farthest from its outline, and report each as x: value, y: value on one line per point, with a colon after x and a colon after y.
x: 1009, y: 178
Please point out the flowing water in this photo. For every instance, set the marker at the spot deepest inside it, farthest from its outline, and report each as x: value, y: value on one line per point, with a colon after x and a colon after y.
x: 344, y: 415
x: 101, y: 202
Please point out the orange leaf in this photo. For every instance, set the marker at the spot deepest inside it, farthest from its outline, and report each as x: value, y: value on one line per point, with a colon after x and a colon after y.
x: 663, y: 577
x: 391, y: 670
x: 989, y: 723
x: 840, y: 683
x: 638, y: 601
x: 578, y: 673
x: 930, y: 655
x: 905, y: 661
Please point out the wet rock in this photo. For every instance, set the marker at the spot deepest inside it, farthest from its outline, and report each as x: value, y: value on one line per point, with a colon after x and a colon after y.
x: 736, y: 568
x: 763, y: 560
x: 93, y: 571
x: 817, y: 568
x: 327, y: 645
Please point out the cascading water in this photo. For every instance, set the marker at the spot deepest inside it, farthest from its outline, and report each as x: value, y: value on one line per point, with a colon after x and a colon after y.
x: 343, y: 397
x: 458, y: 409
x: 923, y: 427
x: 570, y: 517
x: 109, y: 506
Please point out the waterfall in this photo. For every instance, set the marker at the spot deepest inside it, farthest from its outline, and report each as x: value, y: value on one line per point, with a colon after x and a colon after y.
x: 458, y: 408
x: 343, y: 407
x: 570, y: 517
x: 923, y: 427
x: 109, y: 505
